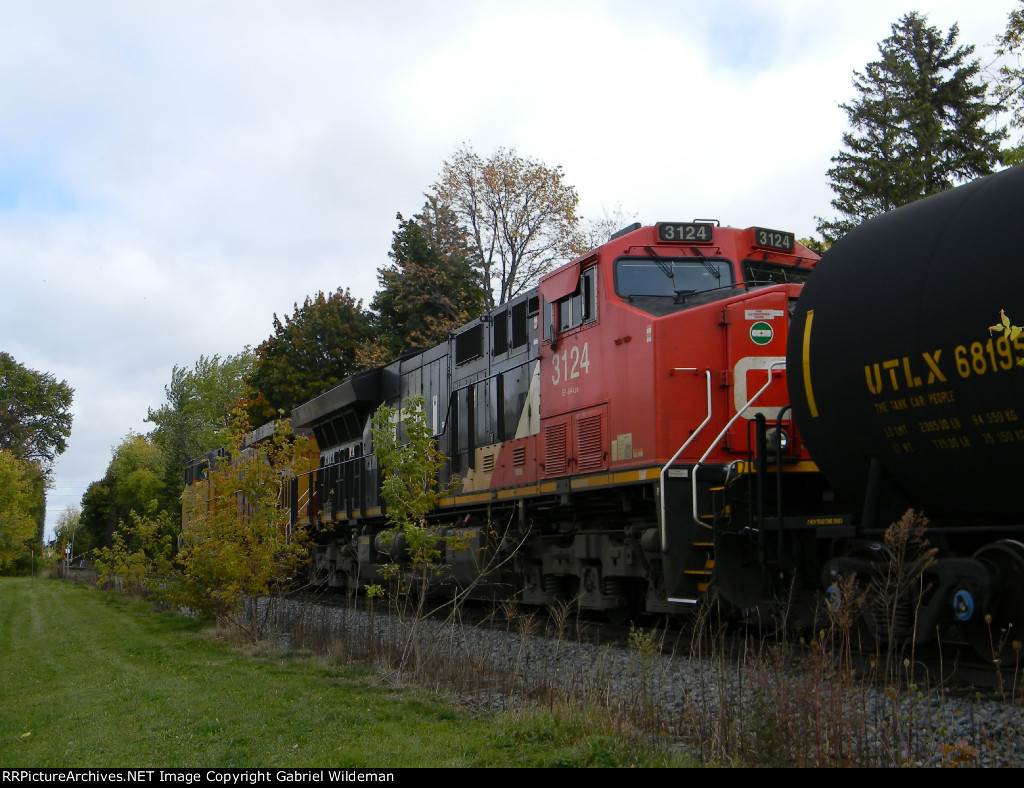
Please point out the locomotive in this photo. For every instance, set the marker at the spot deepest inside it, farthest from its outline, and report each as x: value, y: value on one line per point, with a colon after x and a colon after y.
x: 686, y: 413
x: 613, y: 433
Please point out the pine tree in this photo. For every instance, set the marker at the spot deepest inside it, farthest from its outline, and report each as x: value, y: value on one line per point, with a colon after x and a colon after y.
x: 1010, y: 82
x: 430, y: 287
x: 918, y: 126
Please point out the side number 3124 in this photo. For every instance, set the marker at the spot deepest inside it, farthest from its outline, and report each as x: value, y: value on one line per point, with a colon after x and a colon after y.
x: 570, y: 363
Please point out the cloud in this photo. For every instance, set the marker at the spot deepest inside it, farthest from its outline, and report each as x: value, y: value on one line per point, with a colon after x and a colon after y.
x: 174, y: 174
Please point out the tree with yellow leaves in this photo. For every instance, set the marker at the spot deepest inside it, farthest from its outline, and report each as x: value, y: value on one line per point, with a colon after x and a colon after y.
x: 17, y: 523
x: 239, y: 543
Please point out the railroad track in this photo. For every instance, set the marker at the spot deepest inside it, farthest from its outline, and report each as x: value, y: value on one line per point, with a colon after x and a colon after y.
x: 953, y: 667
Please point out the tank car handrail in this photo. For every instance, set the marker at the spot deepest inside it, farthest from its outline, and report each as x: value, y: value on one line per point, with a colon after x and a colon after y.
x: 664, y: 470
x: 693, y: 474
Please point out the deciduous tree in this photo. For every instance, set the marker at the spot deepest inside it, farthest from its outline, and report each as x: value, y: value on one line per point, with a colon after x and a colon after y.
x: 99, y: 518
x: 18, y: 526
x: 189, y: 423
x: 597, y: 231
x: 519, y: 215
x: 141, y: 558
x: 136, y: 471
x: 35, y: 413
x: 311, y: 351
x: 238, y: 544
x: 199, y: 402
x: 67, y: 532
x: 918, y: 126
x: 410, y: 462
x: 133, y: 482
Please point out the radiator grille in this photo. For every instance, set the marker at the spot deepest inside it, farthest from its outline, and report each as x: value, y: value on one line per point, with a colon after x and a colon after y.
x: 555, y: 450
x: 590, y: 443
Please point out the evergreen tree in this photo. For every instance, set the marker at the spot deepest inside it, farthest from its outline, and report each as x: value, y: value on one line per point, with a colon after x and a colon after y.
x: 430, y: 287
x: 1010, y: 83
x: 918, y: 126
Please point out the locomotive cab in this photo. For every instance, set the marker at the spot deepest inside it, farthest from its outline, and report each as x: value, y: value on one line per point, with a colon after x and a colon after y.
x: 664, y: 377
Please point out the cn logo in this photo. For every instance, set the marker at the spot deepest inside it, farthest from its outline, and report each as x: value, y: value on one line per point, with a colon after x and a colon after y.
x: 761, y: 333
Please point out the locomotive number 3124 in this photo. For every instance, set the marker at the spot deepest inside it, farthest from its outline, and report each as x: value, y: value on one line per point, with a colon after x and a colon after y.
x: 570, y: 363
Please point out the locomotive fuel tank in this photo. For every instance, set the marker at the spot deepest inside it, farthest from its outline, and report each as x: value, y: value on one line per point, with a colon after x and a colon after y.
x: 906, y: 359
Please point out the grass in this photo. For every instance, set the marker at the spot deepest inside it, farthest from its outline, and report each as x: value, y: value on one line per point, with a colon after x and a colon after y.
x: 86, y: 666
x: 97, y: 680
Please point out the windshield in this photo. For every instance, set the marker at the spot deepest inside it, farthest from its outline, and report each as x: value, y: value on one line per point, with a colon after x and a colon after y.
x: 761, y: 273
x: 670, y: 276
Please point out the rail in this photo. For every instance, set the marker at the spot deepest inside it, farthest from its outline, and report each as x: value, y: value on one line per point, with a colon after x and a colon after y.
x: 680, y: 450
x: 693, y: 474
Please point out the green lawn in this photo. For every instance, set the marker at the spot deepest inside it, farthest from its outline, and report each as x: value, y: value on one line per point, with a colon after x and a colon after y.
x: 94, y: 680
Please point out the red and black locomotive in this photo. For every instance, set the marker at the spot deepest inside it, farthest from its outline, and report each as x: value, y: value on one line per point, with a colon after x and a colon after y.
x: 624, y: 427
x: 677, y: 413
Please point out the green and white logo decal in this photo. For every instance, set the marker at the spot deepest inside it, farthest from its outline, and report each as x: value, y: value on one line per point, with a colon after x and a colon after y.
x: 761, y: 333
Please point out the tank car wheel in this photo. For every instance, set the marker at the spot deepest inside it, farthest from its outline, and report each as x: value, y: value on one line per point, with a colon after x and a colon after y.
x: 993, y: 640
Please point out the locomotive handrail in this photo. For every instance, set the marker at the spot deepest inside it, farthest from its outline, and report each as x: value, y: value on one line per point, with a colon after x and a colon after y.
x: 664, y: 470
x: 693, y: 474
x: 302, y: 499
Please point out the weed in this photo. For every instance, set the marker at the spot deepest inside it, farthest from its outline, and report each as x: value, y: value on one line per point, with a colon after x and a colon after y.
x: 755, y: 699
x: 959, y: 755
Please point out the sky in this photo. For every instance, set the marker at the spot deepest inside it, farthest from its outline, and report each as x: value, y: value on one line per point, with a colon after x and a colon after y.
x: 173, y: 173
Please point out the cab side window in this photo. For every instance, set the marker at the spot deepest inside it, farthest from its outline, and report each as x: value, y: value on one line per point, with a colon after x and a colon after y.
x: 581, y: 307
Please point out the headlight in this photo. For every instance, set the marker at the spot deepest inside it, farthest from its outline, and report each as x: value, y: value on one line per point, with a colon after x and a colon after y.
x: 777, y: 439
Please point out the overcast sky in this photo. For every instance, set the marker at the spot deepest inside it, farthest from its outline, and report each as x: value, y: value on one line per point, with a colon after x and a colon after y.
x: 172, y: 174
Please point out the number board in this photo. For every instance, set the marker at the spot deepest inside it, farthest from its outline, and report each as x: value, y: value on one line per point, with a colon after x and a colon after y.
x: 774, y: 239
x: 685, y: 232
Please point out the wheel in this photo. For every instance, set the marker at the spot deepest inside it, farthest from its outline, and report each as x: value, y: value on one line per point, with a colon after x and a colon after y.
x: 993, y: 639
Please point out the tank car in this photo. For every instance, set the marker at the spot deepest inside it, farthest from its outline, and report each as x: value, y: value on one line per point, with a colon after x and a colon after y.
x: 619, y: 436
x: 906, y: 359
